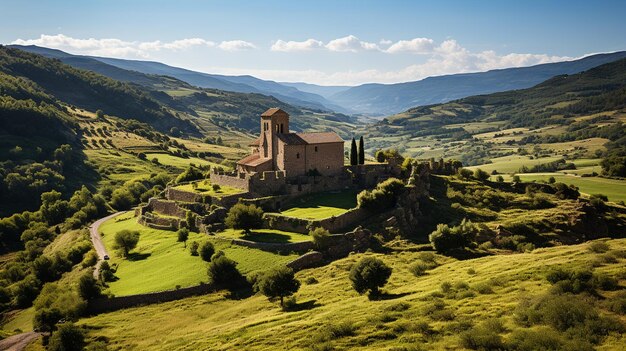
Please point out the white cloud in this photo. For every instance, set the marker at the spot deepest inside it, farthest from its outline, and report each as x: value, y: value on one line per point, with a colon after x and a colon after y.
x: 350, y: 44
x: 236, y: 45
x: 417, y: 45
x: 291, y: 46
x: 120, y: 48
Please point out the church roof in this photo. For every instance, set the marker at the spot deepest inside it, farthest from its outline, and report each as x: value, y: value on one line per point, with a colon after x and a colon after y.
x: 252, y: 160
x: 255, y: 142
x: 309, y: 138
x: 272, y: 111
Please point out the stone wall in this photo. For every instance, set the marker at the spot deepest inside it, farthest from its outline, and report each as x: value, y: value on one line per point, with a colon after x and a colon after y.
x: 333, y: 224
x: 166, y: 207
x: 302, y: 246
x: 102, y: 305
x: 233, y: 179
x: 308, y: 260
x: 180, y: 195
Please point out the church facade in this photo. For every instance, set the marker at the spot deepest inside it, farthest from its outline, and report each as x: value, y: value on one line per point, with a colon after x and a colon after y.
x: 277, y: 149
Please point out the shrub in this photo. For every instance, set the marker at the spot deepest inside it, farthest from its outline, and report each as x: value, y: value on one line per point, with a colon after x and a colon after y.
x: 244, y: 217
x: 419, y: 268
x: 465, y: 173
x: 216, y: 187
x: 382, y: 197
x: 68, y: 337
x: 599, y: 247
x: 126, y: 240
x: 445, y: 238
x: 280, y: 282
x: 481, y: 175
x: 193, y: 248
x: 321, y: 237
x: 88, y: 287
x: 310, y: 281
x: 183, y: 235
x: 206, y: 251
x: 223, y: 271
x: 369, y: 274
x: 481, y: 338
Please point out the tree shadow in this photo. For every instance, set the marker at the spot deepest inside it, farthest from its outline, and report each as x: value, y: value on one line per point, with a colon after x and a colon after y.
x: 138, y: 256
x: 304, y: 306
x: 266, y: 237
x: 386, y: 296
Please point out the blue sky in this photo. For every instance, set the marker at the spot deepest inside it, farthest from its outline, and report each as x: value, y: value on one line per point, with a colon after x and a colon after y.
x: 323, y: 42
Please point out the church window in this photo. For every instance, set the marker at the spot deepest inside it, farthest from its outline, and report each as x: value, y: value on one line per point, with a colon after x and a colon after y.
x: 298, y: 155
x: 281, y: 128
x: 316, y: 149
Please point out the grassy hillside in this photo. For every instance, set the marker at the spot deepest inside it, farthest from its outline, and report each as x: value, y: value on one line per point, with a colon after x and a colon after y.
x: 432, y: 311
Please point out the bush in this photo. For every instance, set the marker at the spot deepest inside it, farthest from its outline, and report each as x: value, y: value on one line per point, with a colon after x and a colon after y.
x: 244, y: 217
x: 223, y: 271
x: 183, y: 235
x: 599, y: 247
x: 369, y: 274
x: 206, y: 251
x: 68, y: 337
x: 382, y: 197
x: 481, y: 338
x: 445, y: 238
x: 465, y: 173
x: 320, y: 237
x: 278, y: 283
x: 481, y: 175
x: 126, y: 240
x: 88, y: 287
x: 193, y: 248
x: 419, y: 268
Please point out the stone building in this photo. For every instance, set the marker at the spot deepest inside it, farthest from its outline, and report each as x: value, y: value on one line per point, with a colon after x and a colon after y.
x: 297, y: 154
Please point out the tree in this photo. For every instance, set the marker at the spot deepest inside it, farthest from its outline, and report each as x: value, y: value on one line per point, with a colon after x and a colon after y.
x: 446, y: 238
x: 206, y: 251
x: 223, y: 271
x: 193, y: 248
x: 280, y: 282
x: 45, y: 319
x: 321, y: 237
x: 88, y: 287
x: 100, y: 114
x: 369, y: 274
x: 361, y: 151
x: 244, y: 217
x: 68, y: 337
x: 183, y: 235
x: 126, y: 240
x: 354, y: 160
x: 481, y: 175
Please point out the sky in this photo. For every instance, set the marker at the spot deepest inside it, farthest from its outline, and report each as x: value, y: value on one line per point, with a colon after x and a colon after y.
x: 322, y: 42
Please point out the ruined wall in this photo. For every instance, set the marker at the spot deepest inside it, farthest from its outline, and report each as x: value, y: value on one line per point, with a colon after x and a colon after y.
x: 180, y: 195
x: 235, y: 180
x: 333, y: 224
x: 165, y: 207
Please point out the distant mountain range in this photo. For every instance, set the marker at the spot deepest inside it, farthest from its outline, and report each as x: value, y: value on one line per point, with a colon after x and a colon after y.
x: 366, y: 99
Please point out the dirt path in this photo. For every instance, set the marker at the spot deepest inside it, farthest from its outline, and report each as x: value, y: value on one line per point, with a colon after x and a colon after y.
x: 97, y: 240
x: 18, y: 342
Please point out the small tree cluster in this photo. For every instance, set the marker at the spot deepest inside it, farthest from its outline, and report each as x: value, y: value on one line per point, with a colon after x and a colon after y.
x: 369, y: 274
x: 279, y: 283
x: 383, y: 197
x: 246, y: 217
x: 446, y: 238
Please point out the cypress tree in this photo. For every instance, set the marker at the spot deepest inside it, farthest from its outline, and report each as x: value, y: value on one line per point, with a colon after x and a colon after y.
x: 353, y: 154
x: 361, y: 151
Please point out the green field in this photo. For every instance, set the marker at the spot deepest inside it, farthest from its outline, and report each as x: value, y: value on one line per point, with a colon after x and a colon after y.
x: 512, y: 164
x: 160, y: 262
x: 265, y: 235
x: 205, y: 188
x: 322, y: 205
x: 402, y: 321
x: 179, y: 162
x: 614, y: 189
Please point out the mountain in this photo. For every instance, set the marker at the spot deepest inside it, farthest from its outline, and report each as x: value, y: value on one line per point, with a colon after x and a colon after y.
x: 386, y: 99
x: 324, y: 90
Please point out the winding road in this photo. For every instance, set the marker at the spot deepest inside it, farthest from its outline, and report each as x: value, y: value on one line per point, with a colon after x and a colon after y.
x: 96, y: 240
x: 18, y: 342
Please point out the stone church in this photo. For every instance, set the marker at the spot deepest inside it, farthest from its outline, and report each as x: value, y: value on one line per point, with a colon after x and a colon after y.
x: 276, y: 149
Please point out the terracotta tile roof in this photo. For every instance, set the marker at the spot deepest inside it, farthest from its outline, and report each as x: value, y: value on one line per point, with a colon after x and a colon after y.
x: 291, y: 138
x: 309, y: 138
x: 255, y: 142
x: 252, y: 160
x: 320, y: 138
x: 272, y: 111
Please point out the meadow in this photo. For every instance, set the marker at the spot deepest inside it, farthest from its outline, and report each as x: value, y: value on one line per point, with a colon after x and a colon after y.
x: 161, y: 263
x: 431, y: 311
x: 321, y: 205
x: 204, y: 187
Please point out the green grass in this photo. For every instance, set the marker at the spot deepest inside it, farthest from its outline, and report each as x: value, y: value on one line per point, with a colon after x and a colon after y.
x: 614, y: 189
x: 322, y: 205
x: 512, y: 164
x: 179, y: 162
x: 394, y: 323
x: 161, y: 263
x: 265, y: 235
x: 205, y: 188
x: 21, y: 321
